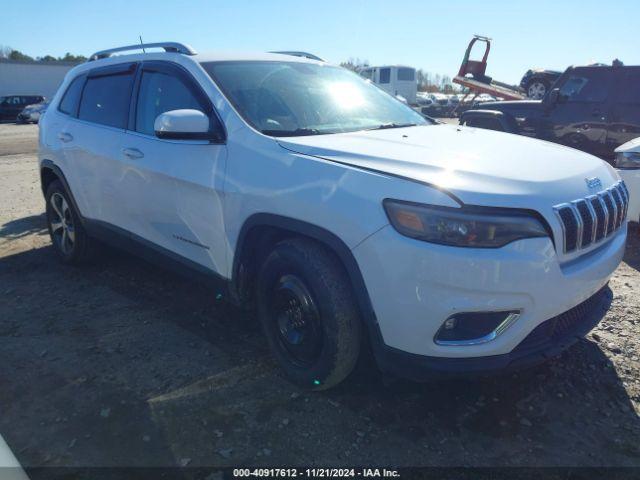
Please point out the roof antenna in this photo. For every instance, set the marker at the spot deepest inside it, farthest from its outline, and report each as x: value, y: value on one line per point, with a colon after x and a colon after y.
x: 141, y: 44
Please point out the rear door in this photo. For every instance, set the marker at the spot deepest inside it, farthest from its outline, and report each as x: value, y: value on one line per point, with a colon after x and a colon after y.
x: 580, y: 118
x: 94, y: 141
x: 625, y: 111
x: 173, y: 188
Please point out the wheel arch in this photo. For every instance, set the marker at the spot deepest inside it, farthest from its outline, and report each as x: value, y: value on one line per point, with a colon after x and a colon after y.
x: 49, y: 172
x: 539, y: 77
x: 262, y: 230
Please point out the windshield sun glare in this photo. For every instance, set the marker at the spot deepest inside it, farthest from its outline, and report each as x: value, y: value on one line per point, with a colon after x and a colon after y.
x: 299, y: 98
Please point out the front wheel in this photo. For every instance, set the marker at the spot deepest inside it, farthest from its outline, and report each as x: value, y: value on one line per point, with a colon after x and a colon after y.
x: 308, y: 314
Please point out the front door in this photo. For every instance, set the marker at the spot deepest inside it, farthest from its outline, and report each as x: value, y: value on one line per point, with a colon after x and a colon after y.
x: 580, y: 117
x: 173, y: 188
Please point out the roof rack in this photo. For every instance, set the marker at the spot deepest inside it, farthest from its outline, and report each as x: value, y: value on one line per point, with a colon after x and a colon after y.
x: 308, y: 55
x: 168, y: 47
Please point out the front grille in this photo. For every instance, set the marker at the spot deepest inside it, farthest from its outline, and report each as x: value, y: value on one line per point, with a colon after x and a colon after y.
x: 587, y: 222
x: 590, y: 220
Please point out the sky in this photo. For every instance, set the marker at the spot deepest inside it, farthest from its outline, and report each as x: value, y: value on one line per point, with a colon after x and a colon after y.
x: 420, y: 33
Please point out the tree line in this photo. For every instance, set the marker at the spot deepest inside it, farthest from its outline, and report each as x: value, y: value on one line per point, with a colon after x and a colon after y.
x: 427, y: 81
x: 9, y: 53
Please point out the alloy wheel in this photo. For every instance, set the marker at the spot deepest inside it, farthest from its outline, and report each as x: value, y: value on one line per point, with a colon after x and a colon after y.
x: 61, y: 223
x: 536, y: 90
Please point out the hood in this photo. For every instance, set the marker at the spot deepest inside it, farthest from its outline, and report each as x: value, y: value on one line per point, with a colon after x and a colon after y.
x: 524, y: 106
x: 480, y: 167
x: 35, y: 107
x: 544, y: 70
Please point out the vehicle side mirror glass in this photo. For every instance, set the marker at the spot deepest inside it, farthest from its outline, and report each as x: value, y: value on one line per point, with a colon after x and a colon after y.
x: 554, y: 96
x: 185, y: 124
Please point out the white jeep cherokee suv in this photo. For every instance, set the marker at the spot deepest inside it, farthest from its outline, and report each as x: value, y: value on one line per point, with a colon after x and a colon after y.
x: 342, y: 214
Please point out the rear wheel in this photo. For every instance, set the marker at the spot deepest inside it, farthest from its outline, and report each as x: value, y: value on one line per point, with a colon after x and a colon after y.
x: 308, y: 314
x: 69, y: 239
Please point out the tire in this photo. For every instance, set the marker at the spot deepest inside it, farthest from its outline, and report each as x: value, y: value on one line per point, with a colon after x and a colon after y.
x: 537, y: 88
x: 70, y: 241
x: 308, y: 314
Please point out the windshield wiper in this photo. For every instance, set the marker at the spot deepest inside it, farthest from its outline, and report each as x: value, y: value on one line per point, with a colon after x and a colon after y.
x: 298, y: 132
x: 386, y: 126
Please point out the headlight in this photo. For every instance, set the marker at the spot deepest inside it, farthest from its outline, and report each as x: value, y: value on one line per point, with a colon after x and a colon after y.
x: 469, y: 227
x: 628, y: 160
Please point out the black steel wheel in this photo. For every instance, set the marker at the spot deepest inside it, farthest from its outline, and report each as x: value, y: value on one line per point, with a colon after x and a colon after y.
x: 308, y: 313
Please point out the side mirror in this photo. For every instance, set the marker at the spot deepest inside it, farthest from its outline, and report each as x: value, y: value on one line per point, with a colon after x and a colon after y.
x: 183, y: 124
x: 554, y: 96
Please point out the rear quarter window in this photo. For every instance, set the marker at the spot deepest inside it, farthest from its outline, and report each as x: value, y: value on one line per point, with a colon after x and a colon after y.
x: 71, y: 98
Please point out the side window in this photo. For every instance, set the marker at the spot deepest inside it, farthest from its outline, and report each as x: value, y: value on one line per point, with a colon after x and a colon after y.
x: 105, y: 99
x: 367, y: 73
x: 385, y: 75
x: 160, y: 92
x: 588, y: 86
x: 71, y: 98
x: 630, y: 88
x: 406, y: 74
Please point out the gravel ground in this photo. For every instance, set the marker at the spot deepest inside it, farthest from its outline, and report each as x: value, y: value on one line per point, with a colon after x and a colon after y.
x: 123, y: 364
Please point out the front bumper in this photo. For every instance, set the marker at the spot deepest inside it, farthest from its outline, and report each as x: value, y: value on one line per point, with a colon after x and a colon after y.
x: 415, y: 286
x: 27, y: 117
x: 546, y: 341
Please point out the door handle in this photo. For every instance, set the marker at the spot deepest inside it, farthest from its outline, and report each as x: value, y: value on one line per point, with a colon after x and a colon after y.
x: 65, y: 137
x: 132, y: 153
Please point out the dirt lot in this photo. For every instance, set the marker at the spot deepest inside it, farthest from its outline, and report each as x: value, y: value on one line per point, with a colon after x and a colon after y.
x: 122, y: 363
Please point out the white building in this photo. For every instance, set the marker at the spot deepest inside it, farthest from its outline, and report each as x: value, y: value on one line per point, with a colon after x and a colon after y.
x: 31, y: 78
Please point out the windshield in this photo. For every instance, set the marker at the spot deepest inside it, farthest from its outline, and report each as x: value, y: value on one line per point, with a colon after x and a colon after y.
x: 295, y: 99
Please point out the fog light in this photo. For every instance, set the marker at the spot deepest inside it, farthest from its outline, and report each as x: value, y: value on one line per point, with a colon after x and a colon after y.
x: 473, y: 328
x: 450, y: 323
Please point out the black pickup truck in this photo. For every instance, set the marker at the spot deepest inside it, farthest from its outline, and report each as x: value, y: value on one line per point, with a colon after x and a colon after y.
x: 592, y: 108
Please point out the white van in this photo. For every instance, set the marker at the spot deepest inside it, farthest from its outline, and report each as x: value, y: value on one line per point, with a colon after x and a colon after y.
x: 394, y: 79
